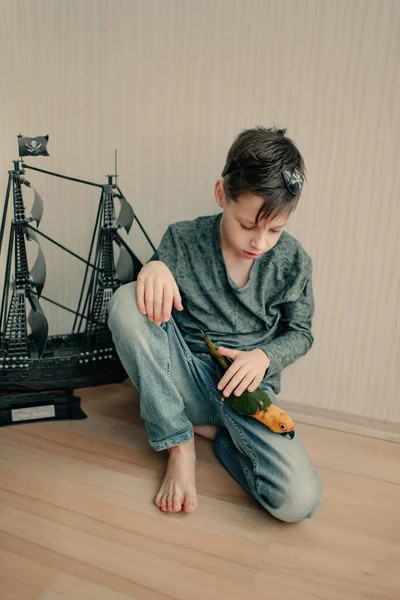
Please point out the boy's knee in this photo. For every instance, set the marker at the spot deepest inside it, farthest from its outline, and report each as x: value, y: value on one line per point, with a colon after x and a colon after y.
x: 299, y: 501
x: 122, y: 307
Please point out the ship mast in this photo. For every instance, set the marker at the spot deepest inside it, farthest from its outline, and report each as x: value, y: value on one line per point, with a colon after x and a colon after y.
x: 13, y: 324
x: 105, y: 280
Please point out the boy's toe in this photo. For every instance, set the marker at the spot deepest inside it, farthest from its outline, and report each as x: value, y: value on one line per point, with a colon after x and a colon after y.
x: 190, y: 503
x: 169, y: 503
x: 190, y: 506
x: 177, y: 504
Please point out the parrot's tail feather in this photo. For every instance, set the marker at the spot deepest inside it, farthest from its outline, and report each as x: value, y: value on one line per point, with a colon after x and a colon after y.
x: 214, y: 352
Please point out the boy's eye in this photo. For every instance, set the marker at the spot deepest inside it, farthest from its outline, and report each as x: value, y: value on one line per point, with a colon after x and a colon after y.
x: 271, y: 230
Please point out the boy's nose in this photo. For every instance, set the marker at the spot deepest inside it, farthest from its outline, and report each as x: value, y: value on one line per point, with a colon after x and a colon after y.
x: 258, y: 245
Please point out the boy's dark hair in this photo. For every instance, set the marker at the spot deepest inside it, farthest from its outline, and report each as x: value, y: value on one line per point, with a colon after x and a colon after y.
x: 255, y: 164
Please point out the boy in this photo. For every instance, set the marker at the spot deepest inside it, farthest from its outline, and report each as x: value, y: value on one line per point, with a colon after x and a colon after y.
x: 244, y: 281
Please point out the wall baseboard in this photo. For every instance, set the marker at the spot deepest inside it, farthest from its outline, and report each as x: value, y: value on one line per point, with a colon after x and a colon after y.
x: 341, y: 421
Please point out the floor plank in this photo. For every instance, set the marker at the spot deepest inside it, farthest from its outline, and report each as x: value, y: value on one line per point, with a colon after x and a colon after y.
x: 66, y: 587
x: 21, y: 578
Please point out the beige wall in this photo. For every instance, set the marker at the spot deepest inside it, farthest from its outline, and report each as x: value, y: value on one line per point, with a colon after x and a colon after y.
x: 169, y: 83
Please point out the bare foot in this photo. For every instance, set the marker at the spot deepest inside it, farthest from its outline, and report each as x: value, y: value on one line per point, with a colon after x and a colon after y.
x: 178, y: 489
x: 206, y: 431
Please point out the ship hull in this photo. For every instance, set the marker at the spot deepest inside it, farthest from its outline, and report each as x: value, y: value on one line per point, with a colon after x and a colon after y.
x: 63, y: 366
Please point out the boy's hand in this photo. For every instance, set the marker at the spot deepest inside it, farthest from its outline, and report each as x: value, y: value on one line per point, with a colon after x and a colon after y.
x: 246, y: 372
x: 156, y: 292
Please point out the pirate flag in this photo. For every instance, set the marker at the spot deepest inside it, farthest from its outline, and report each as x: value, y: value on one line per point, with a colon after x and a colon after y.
x: 33, y: 146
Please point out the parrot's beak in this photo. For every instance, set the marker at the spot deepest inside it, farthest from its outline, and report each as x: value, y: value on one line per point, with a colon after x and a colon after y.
x: 290, y: 434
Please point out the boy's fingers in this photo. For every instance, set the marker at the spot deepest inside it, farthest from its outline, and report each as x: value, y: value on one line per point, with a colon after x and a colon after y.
x: 140, y: 296
x: 245, y: 383
x: 167, y: 303
x: 177, y: 298
x: 149, y: 299
x: 229, y: 352
x: 255, y: 383
x: 239, y: 378
x: 234, y: 368
x: 158, y: 301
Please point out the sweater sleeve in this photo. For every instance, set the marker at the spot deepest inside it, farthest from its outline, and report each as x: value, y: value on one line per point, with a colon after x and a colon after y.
x: 169, y: 251
x: 295, y: 338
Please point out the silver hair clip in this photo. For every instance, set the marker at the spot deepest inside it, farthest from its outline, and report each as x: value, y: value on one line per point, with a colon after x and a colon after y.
x: 294, y: 181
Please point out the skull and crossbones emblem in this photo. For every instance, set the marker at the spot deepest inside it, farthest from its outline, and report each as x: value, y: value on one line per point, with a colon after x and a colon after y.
x: 297, y: 178
x: 34, y: 147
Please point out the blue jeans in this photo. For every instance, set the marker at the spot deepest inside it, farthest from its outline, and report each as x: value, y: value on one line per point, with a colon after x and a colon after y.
x: 178, y: 390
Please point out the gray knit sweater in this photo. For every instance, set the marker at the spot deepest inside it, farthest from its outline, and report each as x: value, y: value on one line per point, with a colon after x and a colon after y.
x: 273, y: 311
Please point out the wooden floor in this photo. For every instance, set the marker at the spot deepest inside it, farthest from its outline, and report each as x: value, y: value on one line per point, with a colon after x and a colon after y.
x: 77, y: 520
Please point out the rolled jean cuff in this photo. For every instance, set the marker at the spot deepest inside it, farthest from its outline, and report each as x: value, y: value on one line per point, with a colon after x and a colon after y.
x: 177, y: 440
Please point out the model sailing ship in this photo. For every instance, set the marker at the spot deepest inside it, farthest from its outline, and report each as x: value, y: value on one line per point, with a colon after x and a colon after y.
x: 38, y: 372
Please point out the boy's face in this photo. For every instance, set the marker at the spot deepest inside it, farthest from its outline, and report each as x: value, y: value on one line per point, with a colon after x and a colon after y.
x: 241, y: 237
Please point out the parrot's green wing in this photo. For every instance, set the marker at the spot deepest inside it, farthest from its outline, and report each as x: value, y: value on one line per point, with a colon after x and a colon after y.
x: 247, y: 403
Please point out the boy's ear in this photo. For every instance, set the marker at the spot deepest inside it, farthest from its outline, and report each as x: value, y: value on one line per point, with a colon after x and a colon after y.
x: 219, y: 192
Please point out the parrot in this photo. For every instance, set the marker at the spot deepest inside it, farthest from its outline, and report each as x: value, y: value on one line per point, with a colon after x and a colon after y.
x: 255, y: 404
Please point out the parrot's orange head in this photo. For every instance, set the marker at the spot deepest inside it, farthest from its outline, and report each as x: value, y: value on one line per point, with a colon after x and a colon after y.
x: 279, y: 421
